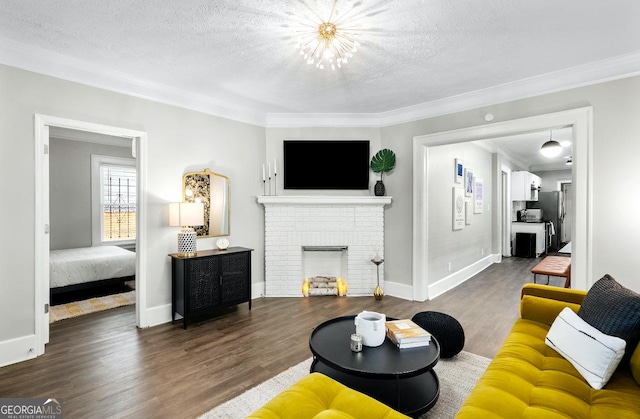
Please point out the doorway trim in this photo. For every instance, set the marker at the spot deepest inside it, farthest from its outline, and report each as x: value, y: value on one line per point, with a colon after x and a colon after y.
x: 41, y: 134
x: 504, y: 216
x: 581, y: 122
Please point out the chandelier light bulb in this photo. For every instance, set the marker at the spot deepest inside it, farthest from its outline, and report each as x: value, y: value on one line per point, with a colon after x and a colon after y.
x: 331, y: 41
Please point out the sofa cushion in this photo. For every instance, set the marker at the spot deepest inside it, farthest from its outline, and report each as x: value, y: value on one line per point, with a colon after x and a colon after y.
x: 543, y: 310
x: 527, y: 379
x: 317, y: 396
x: 594, y: 354
x: 613, y: 310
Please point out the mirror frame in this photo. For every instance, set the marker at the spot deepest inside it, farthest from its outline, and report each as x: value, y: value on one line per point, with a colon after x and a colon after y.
x: 200, y: 184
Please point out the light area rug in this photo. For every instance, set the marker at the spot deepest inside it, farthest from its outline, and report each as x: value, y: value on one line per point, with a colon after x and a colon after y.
x: 80, y: 308
x: 457, y: 376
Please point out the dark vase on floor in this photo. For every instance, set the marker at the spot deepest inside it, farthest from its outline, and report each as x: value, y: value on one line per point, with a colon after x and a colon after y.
x: 378, y: 190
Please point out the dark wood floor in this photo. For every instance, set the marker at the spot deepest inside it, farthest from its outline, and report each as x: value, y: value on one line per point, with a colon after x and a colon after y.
x: 102, y: 366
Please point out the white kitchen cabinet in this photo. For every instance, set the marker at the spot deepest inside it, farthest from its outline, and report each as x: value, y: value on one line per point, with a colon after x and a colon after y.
x: 537, y: 228
x: 525, y: 186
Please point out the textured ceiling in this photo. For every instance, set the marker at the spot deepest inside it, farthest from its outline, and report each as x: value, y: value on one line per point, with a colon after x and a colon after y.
x: 243, y: 51
x: 525, y: 148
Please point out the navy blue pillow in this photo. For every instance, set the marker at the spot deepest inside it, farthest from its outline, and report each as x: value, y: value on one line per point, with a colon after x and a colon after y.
x: 613, y: 310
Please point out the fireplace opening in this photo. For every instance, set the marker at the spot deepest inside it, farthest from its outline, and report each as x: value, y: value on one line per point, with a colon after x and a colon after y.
x: 324, y: 267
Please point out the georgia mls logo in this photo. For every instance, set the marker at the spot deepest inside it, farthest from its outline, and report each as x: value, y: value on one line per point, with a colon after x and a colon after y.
x: 54, y: 403
x: 30, y: 408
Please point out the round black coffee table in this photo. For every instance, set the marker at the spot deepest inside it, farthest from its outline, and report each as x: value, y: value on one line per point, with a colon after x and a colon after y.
x: 400, y: 378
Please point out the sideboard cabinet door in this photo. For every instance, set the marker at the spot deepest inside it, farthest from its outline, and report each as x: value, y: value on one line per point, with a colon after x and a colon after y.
x: 236, y: 282
x: 210, y: 280
x: 203, y: 284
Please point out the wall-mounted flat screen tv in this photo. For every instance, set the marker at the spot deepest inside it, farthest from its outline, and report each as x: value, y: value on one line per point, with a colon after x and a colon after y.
x: 326, y: 164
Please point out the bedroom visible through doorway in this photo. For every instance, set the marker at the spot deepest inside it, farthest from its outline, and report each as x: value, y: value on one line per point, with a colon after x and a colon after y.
x: 60, y: 232
x: 92, y: 212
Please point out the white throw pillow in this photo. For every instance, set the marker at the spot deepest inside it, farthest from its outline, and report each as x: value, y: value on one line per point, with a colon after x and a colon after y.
x: 594, y: 354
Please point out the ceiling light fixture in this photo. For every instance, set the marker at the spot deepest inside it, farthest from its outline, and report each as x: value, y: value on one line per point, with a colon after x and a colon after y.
x: 328, y: 42
x: 551, y: 148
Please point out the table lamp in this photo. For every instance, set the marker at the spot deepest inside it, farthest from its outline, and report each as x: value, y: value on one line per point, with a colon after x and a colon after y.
x: 185, y: 215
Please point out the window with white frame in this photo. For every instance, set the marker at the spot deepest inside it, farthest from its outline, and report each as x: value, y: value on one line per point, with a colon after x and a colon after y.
x: 114, y: 200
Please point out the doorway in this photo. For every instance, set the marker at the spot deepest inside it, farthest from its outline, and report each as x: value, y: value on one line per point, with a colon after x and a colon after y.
x: 137, y: 139
x: 581, y: 123
x: 92, y: 203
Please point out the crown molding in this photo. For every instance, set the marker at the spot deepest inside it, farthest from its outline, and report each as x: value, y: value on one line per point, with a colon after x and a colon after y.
x: 28, y: 57
x: 331, y: 120
x: 592, y: 73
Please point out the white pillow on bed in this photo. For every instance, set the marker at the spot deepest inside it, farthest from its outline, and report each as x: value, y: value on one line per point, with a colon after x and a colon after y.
x: 594, y: 354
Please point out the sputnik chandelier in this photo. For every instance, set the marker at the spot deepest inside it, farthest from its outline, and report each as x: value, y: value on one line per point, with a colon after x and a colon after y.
x: 329, y: 42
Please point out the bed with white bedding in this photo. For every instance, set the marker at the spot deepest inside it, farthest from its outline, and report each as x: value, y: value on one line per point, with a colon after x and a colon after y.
x: 74, y: 268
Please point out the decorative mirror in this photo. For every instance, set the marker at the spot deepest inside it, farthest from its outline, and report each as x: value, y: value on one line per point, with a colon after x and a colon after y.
x: 212, y: 189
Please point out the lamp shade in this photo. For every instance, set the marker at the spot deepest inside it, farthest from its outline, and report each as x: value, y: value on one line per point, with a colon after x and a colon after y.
x: 186, y: 214
x: 551, y: 149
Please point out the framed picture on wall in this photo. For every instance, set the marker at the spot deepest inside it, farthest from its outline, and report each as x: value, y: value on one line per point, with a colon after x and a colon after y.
x: 458, y: 171
x: 458, y: 210
x: 477, y: 196
x: 468, y: 182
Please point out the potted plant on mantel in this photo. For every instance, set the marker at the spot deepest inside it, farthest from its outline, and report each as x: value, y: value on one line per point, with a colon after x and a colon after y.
x: 384, y: 161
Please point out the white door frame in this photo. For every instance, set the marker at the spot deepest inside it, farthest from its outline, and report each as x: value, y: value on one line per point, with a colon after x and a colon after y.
x: 41, y: 133
x: 581, y: 121
x: 505, y: 214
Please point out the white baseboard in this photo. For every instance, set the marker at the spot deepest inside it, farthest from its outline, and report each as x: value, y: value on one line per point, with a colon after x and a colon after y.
x: 395, y: 289
x: 158, y: 315
x: 449, y: 282
x: 257, y: 290
x: 17, y: 350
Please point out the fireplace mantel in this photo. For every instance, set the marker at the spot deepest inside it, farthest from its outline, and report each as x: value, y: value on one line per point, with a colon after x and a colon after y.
x: 323, y: 200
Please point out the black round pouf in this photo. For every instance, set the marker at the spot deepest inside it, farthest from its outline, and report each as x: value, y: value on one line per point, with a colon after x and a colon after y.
x: 447, y: 331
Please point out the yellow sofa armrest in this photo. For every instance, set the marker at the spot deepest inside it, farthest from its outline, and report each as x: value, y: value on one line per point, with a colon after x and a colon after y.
x: 543, y: 303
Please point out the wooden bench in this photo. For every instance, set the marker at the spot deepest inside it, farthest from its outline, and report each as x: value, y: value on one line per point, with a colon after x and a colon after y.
x: 554, y: 266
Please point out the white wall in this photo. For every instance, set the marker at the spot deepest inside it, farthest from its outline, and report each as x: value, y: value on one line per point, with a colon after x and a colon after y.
x: 275, y: 137
x: 70, y: 190
x: 550, y: 179
x: 179, y: 141
x: 616, y: 148
x: 460, y: 248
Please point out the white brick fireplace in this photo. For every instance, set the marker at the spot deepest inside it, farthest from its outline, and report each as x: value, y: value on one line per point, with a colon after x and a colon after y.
x: 294, y: 222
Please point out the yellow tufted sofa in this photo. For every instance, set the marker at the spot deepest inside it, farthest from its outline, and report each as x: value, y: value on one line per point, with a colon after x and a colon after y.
x: 320, y: 397
x: 527, y: 379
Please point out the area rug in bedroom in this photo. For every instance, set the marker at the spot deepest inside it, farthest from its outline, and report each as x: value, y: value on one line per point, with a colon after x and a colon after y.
x: 92, y: 305
x: 457, y: 376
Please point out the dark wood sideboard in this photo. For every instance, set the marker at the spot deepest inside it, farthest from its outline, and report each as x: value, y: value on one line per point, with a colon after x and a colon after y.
x: 210, y: 280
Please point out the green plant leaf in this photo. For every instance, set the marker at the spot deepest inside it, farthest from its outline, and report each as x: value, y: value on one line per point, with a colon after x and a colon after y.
x: 384, y: 161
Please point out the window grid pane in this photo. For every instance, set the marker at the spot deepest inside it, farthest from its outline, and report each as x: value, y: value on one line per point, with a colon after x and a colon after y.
x: 119, y: 202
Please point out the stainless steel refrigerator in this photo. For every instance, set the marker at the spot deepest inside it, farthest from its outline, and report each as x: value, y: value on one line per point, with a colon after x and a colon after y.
x: 552, y: 206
